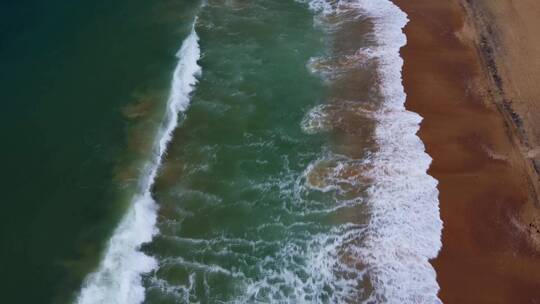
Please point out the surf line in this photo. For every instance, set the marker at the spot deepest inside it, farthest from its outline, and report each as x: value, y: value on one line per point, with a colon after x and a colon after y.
x: 404, y: 232
x: 404, y: 229
x: 118, y: 276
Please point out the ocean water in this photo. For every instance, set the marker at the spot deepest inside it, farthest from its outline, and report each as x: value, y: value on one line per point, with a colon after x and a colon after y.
x: 218, y: 151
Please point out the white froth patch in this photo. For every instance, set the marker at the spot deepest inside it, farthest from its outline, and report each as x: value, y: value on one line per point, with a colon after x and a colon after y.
x: 317, y: 281
x: 316, y: 120
x: 118, y: 277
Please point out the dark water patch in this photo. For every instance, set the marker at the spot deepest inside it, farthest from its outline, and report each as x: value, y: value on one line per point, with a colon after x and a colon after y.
x: 67, y: 71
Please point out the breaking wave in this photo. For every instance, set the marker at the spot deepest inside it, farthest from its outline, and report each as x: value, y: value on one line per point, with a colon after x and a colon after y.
x: 118, y: 277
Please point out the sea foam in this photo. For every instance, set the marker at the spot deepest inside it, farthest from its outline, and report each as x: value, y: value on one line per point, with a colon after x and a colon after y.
x: 118, y: 277
x: 404, y: 230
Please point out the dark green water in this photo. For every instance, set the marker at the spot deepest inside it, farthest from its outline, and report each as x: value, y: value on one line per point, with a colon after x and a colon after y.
x: 67, y: 70
x: 294, y: 176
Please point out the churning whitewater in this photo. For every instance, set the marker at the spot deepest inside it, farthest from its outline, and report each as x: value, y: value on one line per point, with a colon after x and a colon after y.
x: 118, y: 278
x: 404, y: 230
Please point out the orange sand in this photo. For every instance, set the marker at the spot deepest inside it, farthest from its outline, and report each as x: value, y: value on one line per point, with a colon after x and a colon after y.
x: 485, y: 184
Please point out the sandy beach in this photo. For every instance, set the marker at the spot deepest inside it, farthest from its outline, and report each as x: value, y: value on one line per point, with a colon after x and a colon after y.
x: 471, y: 71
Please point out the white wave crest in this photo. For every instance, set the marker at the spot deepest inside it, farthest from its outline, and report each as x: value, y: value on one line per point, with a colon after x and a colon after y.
x: 118, y: 277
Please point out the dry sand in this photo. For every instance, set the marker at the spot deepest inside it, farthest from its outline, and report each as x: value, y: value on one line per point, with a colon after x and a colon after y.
x: 481, y: 130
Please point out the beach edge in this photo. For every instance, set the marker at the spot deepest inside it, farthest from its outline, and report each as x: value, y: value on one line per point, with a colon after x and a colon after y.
x: 488, y: 187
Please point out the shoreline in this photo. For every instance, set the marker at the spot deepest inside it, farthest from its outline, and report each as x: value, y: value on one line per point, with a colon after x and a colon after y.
x: 487, y: 186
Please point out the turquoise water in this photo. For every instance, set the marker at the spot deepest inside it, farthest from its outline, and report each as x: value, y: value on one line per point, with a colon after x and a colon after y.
x: 232, y: 209
x: 270, y: 161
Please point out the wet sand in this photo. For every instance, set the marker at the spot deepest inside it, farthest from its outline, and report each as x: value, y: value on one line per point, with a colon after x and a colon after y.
x: 487, y: 183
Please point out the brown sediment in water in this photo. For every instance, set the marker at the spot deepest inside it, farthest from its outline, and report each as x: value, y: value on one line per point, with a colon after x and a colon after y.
x: 487, y: 184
